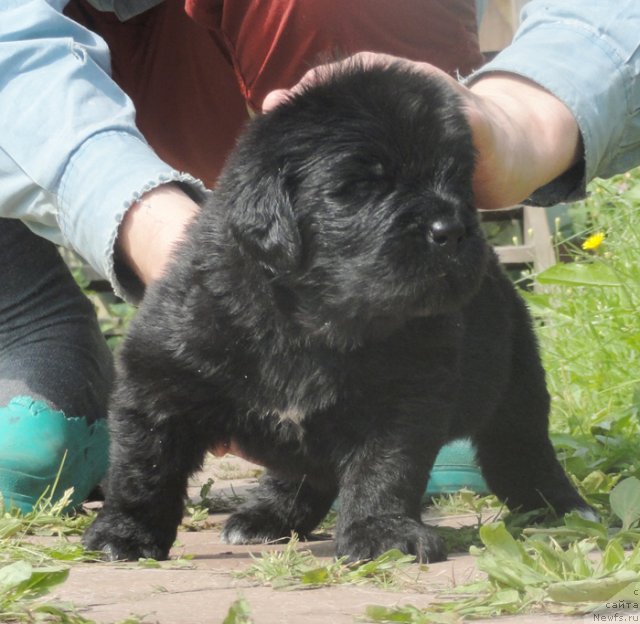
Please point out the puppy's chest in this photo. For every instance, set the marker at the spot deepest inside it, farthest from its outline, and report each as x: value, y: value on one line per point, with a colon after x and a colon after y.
x: 292, y: 388
x: 296, y: 388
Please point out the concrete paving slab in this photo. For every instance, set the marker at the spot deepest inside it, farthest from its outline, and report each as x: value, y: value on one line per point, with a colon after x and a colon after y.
x: 204, y: 591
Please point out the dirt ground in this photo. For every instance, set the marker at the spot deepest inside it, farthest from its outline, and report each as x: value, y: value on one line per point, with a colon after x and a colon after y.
x: 203, y: 592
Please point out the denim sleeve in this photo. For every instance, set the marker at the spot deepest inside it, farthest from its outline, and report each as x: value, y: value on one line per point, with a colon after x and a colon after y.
x: 124, y: 9
x: 587, y: 53
x: 71, y: 158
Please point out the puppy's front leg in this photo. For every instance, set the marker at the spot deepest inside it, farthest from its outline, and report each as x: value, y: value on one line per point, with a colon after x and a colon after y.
x: 380, y: 499
x: 151, y: 458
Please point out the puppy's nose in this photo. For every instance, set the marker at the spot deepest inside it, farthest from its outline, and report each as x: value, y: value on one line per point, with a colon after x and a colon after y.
x: 447, y: 234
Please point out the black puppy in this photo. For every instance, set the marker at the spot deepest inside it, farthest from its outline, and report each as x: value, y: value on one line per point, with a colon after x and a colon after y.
x: 336, y: 312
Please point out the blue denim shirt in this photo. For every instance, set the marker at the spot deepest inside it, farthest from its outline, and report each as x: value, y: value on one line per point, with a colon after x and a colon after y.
x: 72, y: 160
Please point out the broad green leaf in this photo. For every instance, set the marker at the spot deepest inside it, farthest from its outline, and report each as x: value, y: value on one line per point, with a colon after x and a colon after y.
x: 317, y: 576
x: 499, y: 541
x: 506, y: 597
x: 581, y: 567
x: 537, y: 303
x: 22, y: 579
x: 613, y: 556
x: 10, y: 525
x: 502, y: 545
x: 14, y: 574
x: 378, y: 613
x: 633, y: 193
x: 592, y: 590
x: 542, y: 305
x: 551, y: 560
x: 598, y: 481
x: 44, y: 579
x: 564, y: 439
x: 64, y: 614
x: 509, y: 572
x: 625, y: 501
x: 408, y: 615
x: 589, y: 528
x: 387, y: 560
x: 578, y: 274
x: 239, y: 613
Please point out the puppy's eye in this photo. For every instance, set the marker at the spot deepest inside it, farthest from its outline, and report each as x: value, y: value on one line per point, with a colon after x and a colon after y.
x: 360, y: 189
x: 377, y: 170
x: 356, y: 182
x: 365, y: 176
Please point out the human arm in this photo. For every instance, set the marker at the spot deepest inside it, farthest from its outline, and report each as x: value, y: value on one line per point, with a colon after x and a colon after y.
x: 73, y: 163
x: 524, y: 136
x: 503, y: 113
x: 556, y: 108
x: 586, y: 55
x: 150, y: 229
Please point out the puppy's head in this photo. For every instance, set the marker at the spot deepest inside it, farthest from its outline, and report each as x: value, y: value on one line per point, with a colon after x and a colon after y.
x: 355, y: 200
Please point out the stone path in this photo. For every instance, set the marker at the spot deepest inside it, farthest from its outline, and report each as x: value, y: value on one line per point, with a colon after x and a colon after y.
x: 203, y: 592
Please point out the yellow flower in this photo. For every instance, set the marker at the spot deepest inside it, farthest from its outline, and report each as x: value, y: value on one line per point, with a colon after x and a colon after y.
x: 593, y: 242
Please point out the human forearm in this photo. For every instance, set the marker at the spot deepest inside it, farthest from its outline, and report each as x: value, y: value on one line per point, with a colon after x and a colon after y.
x: 525, y: 138
x: 587, y: 54
x: 150, y: 229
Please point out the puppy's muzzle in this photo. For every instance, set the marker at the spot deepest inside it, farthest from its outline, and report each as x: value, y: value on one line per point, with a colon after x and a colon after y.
x: 446, y: 234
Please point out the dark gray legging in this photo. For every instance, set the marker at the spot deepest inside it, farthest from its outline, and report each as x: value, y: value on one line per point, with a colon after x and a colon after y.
x: 51, y: 347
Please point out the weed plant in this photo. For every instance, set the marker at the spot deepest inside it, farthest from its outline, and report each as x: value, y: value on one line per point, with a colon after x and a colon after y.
x: 29, y: 570
x: 295, y: 568
x: 589, y: 331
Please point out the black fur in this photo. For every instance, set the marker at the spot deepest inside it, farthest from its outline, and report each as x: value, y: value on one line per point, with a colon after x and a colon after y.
x: 335, y: 310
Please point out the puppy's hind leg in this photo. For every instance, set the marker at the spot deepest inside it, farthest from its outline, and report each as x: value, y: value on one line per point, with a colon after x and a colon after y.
x: 277, y: 508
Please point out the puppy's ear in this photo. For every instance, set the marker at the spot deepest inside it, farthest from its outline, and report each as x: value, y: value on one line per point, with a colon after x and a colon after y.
x: 264, y: 225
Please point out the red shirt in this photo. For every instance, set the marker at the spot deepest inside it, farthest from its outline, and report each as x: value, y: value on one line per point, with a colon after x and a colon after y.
x: 192, y: 79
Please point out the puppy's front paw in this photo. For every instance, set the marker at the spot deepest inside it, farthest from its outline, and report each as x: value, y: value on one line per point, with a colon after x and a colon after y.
x: 121, y: 539
x: 253, y: 527
x: 369, y: 538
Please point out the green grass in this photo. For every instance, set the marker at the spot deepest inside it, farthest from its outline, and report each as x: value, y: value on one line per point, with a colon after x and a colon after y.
x: 295, y: 568
x: 464, y: 502
x: 589, y: 332
x: 29, y: 570
x: 239, y: 613
x: 572, y: 569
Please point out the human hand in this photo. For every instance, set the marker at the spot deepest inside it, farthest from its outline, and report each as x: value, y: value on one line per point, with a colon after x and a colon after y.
x: 523, y: 135
x: 151, y: 228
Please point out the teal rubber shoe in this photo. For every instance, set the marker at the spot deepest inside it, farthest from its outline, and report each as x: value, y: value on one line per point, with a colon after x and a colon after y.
x: 41, y: 448
x: 455, y: 468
